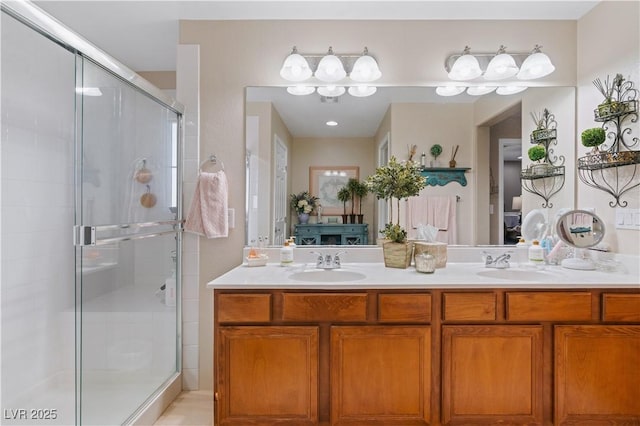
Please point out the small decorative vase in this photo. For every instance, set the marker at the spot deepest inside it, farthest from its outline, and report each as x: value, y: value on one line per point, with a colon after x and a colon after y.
x: 360, y: 218
x: 452, y: 163
x: 344, y: 219
x: 303, y: 218
x: 352, y: 218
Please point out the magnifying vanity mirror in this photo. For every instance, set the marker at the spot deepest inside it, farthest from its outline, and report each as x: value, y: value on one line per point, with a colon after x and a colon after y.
x: 580, y: 229
x: 287, y: 135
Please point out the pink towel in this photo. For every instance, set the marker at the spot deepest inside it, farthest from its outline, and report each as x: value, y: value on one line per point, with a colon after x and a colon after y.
x: 208, y: 212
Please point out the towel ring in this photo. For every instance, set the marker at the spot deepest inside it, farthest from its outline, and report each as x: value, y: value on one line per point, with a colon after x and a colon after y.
x: 212, y: 160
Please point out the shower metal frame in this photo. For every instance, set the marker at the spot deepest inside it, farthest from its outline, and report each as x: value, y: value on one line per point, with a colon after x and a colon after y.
x: 46, y: 25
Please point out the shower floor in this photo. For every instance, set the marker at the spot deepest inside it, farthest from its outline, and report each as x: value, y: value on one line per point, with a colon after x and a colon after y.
x: 109, y: 398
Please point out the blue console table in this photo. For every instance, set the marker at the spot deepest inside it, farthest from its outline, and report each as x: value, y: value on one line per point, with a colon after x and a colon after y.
x: 440, y: 176
x: 332, y: 234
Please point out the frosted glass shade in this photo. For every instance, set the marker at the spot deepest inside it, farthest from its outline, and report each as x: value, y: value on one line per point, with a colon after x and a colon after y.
x: 330, y: 69
x: 480, y: 90
x: 536, y: 65
x: 362, y: 91
x: 466, y: 67
x: 300, y: 90
x: 331, y: 91
x: 295, y: 68
x: 510, y: 90
x: 449, y: 90
x: 501, y: 66
x: 365, y: 70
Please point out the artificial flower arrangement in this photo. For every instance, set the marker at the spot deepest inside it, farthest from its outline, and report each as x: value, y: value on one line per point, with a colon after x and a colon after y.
x: 303, y: 202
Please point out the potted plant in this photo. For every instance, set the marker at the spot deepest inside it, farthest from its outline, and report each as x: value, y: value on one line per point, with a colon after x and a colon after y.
x: 537, y: 153
x: 352, y: 185
x: 542, y: 131
x: 593, y: 138
x: 360, y: 191
x: 303, y: 204
x: 435, y: 150
x: 344, y: 195
x: 607, y: 88
x: 399, y: 180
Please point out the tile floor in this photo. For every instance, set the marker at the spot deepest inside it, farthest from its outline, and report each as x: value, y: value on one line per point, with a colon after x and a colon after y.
x: 190, y: 408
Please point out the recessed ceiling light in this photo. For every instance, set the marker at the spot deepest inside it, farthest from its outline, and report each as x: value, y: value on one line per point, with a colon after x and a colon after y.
x: 332, y: 123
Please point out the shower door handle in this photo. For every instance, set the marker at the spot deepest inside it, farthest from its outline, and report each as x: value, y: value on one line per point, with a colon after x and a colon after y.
x: 85, y: 235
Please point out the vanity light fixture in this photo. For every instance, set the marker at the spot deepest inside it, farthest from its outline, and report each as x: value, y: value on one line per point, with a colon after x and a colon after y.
x: 498, y: 66
x: 332, y: 70
x: 366, y: 69
x: 331, y: 91
x: 536, y: 65
x: 295, y: 67
x: 466, y: 67
x: 510, y: 90
x: 501, y: 66
x: 300, y: 90
x: 362, y: 91
x: 480, y: 90
x: 331, y: 123
x: 449, y: 90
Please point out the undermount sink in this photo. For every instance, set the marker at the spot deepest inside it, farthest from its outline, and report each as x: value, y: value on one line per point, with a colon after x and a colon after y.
x: 516, y: 274
x: 327, y: 275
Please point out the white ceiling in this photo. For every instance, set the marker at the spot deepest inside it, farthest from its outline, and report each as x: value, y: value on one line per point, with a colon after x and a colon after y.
x: 144, y: 34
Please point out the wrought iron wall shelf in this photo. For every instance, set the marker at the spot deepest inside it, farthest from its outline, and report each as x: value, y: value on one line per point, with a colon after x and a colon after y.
x: 544, y: 182
x: 615, y: 170
x: 545, y: 179
x: 440, y: 176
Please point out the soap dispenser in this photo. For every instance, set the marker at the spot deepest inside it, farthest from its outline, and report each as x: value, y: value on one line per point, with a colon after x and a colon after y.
x: 536, y: 253
x: 286, y: 253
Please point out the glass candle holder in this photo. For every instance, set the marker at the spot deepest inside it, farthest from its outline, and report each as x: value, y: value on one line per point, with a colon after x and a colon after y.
x: 425, y: 263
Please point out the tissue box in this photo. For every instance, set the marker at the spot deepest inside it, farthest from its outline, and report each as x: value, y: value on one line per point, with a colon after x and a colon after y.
x: 437, y: 250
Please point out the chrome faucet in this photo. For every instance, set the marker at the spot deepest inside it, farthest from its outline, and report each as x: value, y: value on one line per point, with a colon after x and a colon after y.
x: 328, y: 261
x: 500, y: 262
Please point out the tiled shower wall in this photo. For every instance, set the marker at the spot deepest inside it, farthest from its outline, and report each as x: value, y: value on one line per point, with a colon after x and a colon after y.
x: 187, y: 92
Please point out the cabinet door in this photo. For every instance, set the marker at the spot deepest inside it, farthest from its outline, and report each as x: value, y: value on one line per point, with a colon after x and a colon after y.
x: 492, y: 374
x: 267, y: 375
x: 380, y: 375
x: 597, y: 374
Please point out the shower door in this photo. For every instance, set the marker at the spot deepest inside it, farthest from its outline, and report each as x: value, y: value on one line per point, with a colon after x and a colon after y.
x: 127, y: 237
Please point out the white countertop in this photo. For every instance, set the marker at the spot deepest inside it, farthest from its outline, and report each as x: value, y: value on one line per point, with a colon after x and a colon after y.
x: 459, y: 275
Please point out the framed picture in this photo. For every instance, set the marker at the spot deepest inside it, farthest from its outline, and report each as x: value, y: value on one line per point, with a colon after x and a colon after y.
x: 326, y: 181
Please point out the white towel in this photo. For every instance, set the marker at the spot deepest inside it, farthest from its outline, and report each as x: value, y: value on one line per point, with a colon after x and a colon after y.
x: 438, y: 211
x: 208, y: 212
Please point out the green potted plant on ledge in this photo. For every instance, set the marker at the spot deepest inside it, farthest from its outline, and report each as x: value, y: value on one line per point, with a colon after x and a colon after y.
x: 537, y: 153
x: 399, y: 180
x: 344, y: 195
x: 360, y: 190
x: 593, y: 138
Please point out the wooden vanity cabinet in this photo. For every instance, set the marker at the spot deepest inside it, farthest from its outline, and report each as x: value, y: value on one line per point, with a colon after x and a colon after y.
x: 427, y: 357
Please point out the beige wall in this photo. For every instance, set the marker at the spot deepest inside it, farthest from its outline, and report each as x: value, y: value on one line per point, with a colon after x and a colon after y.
x: 600, y: 56
x: 237, y: 54
x: 165, y: 80
x: 448, y: 125
x: 358, y: 152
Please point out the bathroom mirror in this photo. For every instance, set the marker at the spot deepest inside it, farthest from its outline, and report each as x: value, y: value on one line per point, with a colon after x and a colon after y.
x: 291, y: 131
x: 580, y: 229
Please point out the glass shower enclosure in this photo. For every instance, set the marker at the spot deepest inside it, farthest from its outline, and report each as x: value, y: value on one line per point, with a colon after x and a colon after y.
x: 91, y: 230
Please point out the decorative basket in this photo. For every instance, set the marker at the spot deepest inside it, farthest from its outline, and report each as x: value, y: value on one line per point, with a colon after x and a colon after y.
x: 397, y: 255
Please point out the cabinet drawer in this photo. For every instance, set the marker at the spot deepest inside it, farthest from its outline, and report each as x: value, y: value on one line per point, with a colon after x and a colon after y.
x: 233, y: 308
x: 548, y: 306
x: 621, y: 307
x: 324, y: 307
x: 469, y: 306
x: 305, y: 231
x: 404, y: 308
